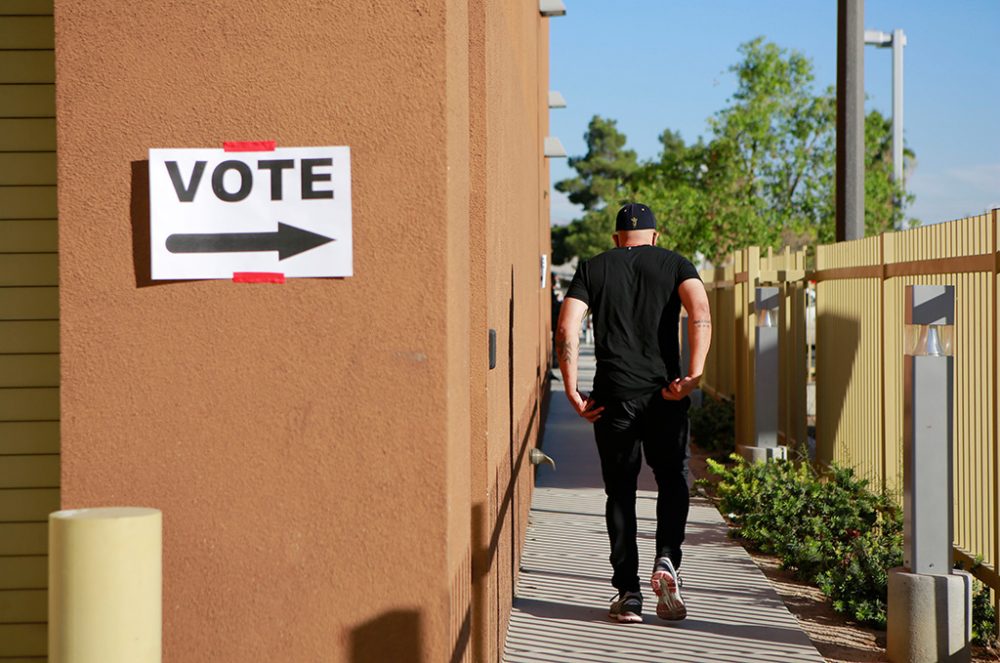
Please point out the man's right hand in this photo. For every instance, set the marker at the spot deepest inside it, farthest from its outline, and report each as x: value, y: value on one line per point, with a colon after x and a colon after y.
x: 584, y: 407
x: 680, y: 388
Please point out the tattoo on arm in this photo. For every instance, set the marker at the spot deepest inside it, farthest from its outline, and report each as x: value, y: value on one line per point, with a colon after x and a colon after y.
x: 564, y: 347
x: 702, y: 323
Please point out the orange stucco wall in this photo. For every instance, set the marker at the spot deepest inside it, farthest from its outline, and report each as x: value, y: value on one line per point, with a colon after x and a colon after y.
x: 341, y: 476
x: 509, y: 205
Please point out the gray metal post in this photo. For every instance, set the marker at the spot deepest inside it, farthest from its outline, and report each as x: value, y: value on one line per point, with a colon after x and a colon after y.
x: 766, y: 378
x: 929, y: 603
x: 898, y: 42
x: 850, y: 185
x: 927, y: 435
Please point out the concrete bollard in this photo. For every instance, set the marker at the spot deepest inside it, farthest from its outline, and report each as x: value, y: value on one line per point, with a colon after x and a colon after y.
x: 929, y: 618
x: 105, y: 585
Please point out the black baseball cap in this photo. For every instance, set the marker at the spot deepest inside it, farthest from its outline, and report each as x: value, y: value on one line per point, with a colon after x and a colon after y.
x: 635, y: 216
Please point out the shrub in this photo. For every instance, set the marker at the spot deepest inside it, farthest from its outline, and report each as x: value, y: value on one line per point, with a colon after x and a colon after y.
x: 858, y: 581
x: 984, y: 616
x: 831, y: 530
x: 713, y: 425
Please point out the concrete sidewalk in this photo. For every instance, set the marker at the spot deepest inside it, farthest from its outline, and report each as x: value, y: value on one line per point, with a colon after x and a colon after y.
x: 563, y: 595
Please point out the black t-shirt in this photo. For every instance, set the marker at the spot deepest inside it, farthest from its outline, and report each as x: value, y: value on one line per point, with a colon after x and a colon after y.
x: 632, y: 295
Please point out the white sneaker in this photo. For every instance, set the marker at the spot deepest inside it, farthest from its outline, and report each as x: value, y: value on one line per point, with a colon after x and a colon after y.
x: 667, y: 587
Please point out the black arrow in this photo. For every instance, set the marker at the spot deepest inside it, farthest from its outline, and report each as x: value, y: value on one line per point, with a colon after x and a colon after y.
x: 287, y: 241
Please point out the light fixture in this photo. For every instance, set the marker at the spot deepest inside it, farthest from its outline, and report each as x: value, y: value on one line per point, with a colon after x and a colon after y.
x: 554, y: 148
x: 550, y: 8
x: 878, y: 38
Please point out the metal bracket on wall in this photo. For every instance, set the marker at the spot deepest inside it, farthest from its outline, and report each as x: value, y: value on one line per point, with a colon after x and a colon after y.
x: 493, y: 349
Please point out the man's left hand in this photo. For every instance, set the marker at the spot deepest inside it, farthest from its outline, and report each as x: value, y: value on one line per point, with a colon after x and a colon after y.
x: 680, y: 388
x: 584, y: 406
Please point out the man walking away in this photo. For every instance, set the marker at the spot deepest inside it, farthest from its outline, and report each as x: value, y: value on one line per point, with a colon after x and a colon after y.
x: 640, y: 399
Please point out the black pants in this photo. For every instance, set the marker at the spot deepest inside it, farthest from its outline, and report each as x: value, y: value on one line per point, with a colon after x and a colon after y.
x: 660, y: 427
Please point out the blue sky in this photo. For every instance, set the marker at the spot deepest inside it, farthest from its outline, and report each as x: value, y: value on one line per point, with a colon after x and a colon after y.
x: 656, y: 64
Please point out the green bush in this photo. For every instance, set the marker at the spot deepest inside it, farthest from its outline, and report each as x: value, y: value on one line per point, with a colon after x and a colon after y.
x: 858, y: 582
x: 984, y: 616
x: 713, y: 425
x: 831, y: 530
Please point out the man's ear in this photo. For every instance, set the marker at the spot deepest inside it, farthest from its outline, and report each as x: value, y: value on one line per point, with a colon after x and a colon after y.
x: 614, y: 236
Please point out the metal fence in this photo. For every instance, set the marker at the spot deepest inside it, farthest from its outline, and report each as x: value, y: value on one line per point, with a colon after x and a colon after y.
x: 859, y: 357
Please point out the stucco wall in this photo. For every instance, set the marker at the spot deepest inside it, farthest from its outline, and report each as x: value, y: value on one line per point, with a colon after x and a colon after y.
x: 509, y: 177
x: 319, y: 448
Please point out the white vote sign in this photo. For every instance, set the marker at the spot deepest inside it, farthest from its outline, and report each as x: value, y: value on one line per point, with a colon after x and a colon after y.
x: 213, y: 213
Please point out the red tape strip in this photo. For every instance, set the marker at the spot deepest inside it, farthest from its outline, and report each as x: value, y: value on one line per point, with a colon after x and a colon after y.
x: 258, y: 277
x: 249, y: 145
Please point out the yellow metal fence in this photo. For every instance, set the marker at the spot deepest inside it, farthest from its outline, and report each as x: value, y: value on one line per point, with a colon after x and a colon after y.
x: 859, y: 357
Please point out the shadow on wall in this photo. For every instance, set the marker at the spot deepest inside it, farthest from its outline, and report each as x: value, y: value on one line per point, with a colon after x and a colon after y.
x: 139, y: 213
x: 393, y: 636
x: 482, y: 557
x: 834, y: 377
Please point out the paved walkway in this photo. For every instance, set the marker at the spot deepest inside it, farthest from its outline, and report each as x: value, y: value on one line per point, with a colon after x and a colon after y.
x: 560, y: 611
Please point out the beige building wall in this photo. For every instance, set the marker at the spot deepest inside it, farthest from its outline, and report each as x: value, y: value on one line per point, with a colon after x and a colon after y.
x: 341, y: 475
x: 29, y: 325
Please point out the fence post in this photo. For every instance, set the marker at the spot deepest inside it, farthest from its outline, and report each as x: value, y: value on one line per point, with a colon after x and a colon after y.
x: 746, y: 280
x: 995, y: 250
x: 795, y: 352
x: 736, y: 351
x: 739, y: 345
x: 786, y: 338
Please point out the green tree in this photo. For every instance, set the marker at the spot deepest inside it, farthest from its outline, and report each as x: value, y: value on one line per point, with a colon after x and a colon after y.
x: 883, y: 211
x: 560, y: 252
x: 677, y: 188
x: 603, y: 170
x: 765, y: 177
x: 764, y: 139
x: 601, y: 186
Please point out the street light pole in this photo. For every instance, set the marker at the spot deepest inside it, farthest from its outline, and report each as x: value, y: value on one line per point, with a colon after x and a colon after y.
x: 896, y: 40
x: 850, y: 174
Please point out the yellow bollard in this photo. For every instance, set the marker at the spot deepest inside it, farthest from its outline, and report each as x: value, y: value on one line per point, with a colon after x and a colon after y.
x: 105, y: 585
